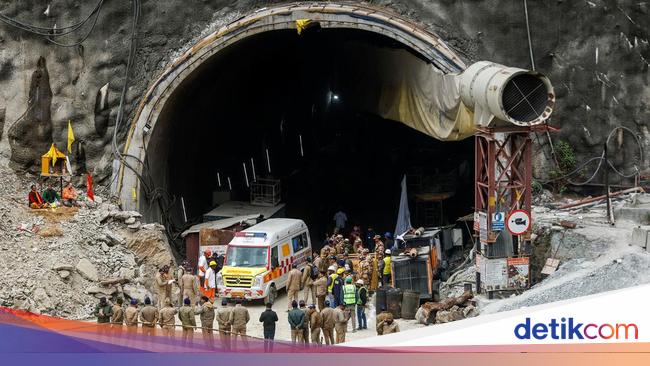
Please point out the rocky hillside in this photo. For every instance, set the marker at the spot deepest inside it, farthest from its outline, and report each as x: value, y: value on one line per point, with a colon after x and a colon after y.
x: 59, y: 261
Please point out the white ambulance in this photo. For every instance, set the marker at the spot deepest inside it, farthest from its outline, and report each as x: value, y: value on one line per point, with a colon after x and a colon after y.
x: 258, y: 259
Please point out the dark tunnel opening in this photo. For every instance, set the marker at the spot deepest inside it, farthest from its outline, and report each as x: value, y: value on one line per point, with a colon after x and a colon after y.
x: 297, y: 96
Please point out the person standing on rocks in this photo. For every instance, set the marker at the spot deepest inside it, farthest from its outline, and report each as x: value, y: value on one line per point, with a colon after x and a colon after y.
x: 149, y: 316
x: 186, y: 316
x: 167, y: 318
x: 163, y: 286
x: 190, y: 286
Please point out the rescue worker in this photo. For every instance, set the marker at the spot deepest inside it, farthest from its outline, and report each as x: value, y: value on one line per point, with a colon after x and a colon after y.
x: 331, y: 275
x: 167, y: 318
x: 239, y: 318
x: 103, y: 311
x: 190, y: 287
x: 163, y: 286
x: 337, y: 287
x: 315, y: 324
x: 131, y: 317
x: 386, y: 270
x: 370, y: 239
x: 305, y: 326
x: 149, y: 317
x: 362, y: 300
x: 117, y: 319
x: 379, y: 245
x: 203, y: 265
x: 328, y: 323
x: 350, y: 300
x: 296, y: 318
x: 376, y: 275
x: 365, y: 267
x: 320, y: 285
x: 347, y: 262
x: 389, y: 326
x: 307, y: 282
x: 178, y: 276
x: 210, y: 284
x: 341, y: 323
x: 293, y: 284
x: 268, y: 318
x: 339, y: 247
x: 381, y: 318
x: 206, y: 312
x: 188, y: 321
x: 223, y: 319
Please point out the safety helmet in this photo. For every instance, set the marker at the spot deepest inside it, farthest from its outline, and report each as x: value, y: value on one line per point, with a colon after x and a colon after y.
x: 388, y: 234
x: 387, y: 251
x: 213, y: 263
x: 340, y: 271
x: 348, y: 280
x: 331, y: 268
x: 360, y: 282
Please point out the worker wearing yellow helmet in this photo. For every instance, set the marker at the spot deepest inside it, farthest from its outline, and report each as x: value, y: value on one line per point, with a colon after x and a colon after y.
x: 210, y: 284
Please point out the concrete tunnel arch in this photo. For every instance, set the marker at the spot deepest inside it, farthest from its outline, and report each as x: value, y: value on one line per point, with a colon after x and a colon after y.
x: 426, y: 45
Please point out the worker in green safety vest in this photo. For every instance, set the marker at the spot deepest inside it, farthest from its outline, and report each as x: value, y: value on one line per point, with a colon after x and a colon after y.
x: 349, y: 296
x: 386, y: 272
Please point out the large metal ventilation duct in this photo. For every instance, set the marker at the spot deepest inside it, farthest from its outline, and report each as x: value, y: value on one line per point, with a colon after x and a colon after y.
x: 507, y: 94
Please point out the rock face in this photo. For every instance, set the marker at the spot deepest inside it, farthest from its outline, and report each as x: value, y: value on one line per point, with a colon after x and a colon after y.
x: 596, y: 54
x: 87, y: 270
x: 31, y: 136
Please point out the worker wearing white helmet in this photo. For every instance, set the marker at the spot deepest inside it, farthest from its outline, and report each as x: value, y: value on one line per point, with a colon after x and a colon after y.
x: 386, y: 270
x: 387, y: 251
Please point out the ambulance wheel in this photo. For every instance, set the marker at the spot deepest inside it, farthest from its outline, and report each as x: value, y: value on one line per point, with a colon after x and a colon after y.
x: 271, y: 296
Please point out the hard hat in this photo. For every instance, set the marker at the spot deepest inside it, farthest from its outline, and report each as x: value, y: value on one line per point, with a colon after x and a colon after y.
x: 388, y: 234
x: 387, y: 251
x: 348, y: 280
x: 340, y: 271
x: 331, y: 268
x: 360, y: 282
x: 213, y: 263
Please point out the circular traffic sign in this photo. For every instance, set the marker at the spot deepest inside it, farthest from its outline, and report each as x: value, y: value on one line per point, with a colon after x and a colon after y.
x: 518, y: 222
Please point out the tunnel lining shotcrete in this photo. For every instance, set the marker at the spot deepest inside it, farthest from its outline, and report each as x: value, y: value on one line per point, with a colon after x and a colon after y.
x: 328, y: 15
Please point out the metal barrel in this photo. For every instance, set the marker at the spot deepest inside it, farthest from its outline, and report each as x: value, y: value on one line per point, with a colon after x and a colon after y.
x: 394, y: 302
x: 380, y: 299
x: 410, y: 304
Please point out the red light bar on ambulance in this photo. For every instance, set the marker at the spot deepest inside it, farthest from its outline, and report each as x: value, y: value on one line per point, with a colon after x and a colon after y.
x: 243, y: 234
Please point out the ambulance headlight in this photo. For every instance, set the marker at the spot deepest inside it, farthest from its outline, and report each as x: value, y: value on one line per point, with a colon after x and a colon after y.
x: 219, y: 280
x: 257, y: 281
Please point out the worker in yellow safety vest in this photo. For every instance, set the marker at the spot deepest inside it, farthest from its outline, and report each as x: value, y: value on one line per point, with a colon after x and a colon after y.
x: 386, y: 272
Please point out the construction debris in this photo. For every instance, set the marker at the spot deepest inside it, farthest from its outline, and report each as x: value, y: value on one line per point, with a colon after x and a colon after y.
x: 450, y: 309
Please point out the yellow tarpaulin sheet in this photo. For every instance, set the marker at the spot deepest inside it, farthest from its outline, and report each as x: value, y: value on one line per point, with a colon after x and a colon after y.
x: 397, y: 85
x: 301, y: 24
x: 53, y: 154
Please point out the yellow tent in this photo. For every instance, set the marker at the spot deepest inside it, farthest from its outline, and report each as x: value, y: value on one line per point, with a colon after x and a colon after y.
x: 50, y: 157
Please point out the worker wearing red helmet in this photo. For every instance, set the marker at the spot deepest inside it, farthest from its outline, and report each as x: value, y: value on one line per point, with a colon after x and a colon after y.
x: 203, y: 265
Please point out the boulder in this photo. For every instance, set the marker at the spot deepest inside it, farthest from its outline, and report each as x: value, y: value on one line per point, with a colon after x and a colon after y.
x: 107, y: 291
x: 137, y: 292
x: 87, y: 270
x: 113, y: 239
x: 42, y: 299
x: 63, y: 267
x: 64, y: 274
x: 130, y: 220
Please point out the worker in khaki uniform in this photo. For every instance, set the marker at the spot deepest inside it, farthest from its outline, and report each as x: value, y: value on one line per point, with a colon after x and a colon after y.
x: 149, y: 317
x: 131, y: 316
x: 320, y: 286
x: 341, y: 323
x: 328, y: 323
x: 190, y: 287
x: 117, y: 319
x: 308, y: 281
x: 293, y: 284
x: 223, y: 319
x: 239, y: 318
x: 186, y: 316
x: 315, y: 324
x: 167, y: 318
x: 305, y: 325
x: 206, y: 312
x: 163, y: 286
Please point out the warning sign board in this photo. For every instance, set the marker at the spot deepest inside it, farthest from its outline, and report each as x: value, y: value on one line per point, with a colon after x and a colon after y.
x: 498, y: 221
x: 518, y: 222
x: 483, y: 230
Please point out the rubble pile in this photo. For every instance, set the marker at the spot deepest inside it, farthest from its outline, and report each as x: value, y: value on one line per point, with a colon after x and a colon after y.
x: 85, y: 254
x: 450, y: 309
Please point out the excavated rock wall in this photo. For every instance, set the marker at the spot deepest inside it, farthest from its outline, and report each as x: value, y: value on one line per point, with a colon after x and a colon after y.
x: 595, y: 52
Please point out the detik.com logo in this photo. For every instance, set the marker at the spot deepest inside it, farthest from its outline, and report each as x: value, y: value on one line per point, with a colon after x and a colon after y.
x: 568, y: 328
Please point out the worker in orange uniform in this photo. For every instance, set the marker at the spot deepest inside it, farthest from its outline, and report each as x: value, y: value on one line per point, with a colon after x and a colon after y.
x: 203, y: 265
x: 70, y: 195
x: 210, y: 284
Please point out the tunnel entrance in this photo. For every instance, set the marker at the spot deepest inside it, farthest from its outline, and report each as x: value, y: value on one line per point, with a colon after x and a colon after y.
x: 295, y: 104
